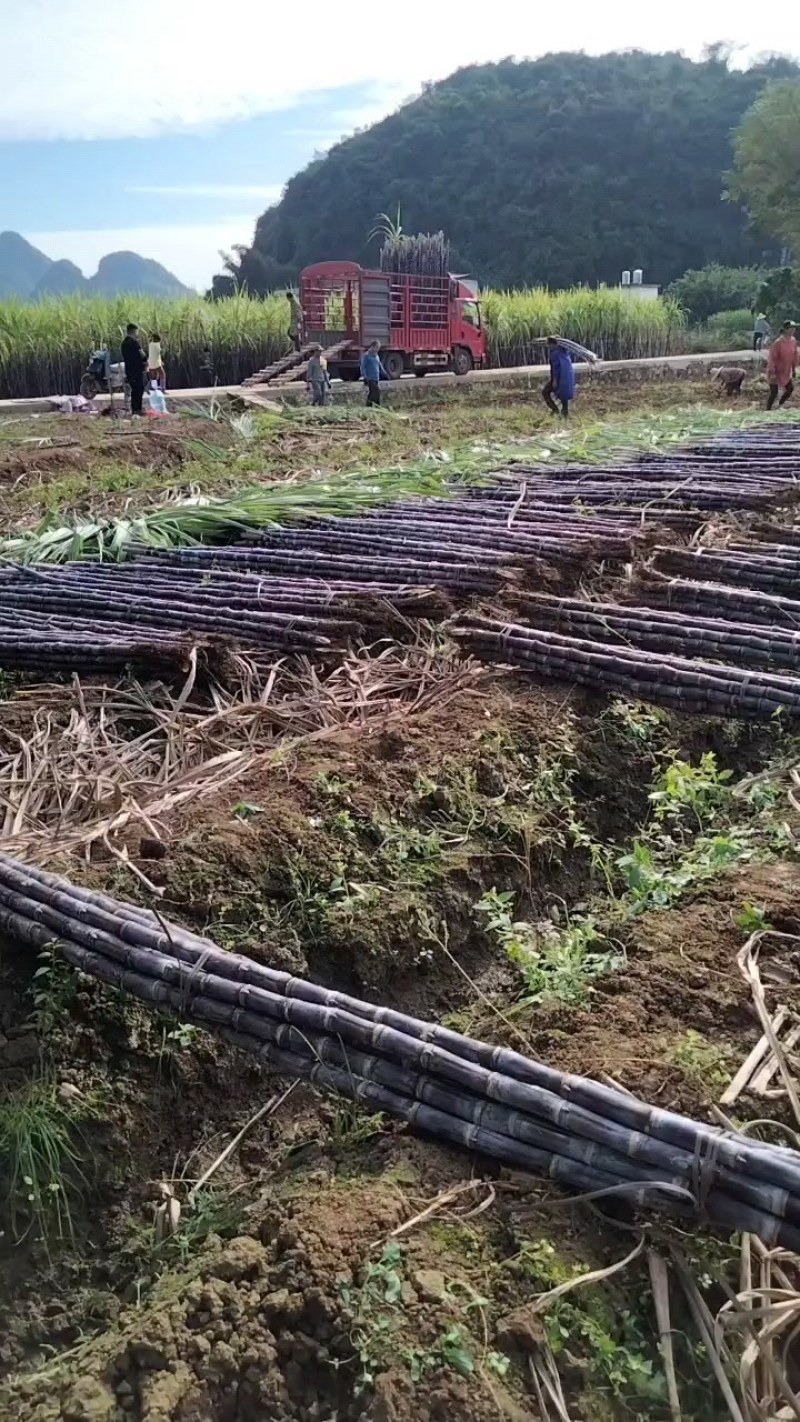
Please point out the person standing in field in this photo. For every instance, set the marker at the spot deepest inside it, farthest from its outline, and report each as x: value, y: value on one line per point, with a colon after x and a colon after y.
x: 372, y: 372
x: 295, y: 320
x: 135, y: 362
x: 782, y: 365
x: 155, y: 365
x: 561, y: 383
x: 207, y: 367
x: 761, y: 330
x: 317, y: 378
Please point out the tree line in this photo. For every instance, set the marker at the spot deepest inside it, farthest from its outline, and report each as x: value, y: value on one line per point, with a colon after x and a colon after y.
x: 556, y: 171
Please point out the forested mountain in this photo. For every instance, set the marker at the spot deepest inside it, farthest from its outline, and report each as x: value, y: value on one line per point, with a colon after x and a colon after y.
x: 559, y: 170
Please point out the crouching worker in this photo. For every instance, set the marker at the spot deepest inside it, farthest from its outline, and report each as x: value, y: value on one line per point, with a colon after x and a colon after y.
x: 561, y: 383
x: 729, y: 378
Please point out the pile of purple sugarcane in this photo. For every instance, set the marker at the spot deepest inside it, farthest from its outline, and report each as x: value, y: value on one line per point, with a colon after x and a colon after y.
x: 587, y: 1137
x: 323, y: 583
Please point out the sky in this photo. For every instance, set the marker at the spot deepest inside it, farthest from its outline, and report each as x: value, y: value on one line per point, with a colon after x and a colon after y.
x: 167, y: 130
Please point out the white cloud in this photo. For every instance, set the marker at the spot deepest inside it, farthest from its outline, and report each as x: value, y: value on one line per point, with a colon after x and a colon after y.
x: 74, y: 73
x: 190, y: 252
x: 266, y: 193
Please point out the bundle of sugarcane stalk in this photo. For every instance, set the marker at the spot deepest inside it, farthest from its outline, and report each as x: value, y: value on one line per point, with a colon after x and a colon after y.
x: 427, y: 254
x: 655, y: 629
x: 717, y: 600
x: 763, y: 567
x: 683, y: 683
x: 586, y: 1136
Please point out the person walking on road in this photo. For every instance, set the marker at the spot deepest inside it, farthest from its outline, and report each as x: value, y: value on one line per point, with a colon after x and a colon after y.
x: 135, y: 362
x: 295, y: 321
x: 561, y: 383
x: 372, y: 372
x: 782, y: 365
x: 761, y: 329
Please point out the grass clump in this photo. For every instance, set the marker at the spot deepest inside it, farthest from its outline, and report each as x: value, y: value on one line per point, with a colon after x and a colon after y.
x: 42, y: 1158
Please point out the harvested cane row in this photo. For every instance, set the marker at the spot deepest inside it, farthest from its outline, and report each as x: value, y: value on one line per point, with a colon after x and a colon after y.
x: 681, y: 683
x: 318, y: 586
x: 586, y: 1136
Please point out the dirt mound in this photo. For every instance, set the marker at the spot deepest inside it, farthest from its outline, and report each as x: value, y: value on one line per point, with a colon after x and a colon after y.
x: 43, y: 462
x: 673, y: 1025
x: 147, y: 449
x: 290, y: 1324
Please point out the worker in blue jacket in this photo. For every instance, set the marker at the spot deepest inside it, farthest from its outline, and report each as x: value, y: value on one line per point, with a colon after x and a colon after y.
x: 372, y: 372
x: 561, y: 382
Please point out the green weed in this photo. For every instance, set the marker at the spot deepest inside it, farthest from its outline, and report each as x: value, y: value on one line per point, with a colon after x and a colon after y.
x: 351, y: 1125
x: 42, y: 1154
x: 642, y: 723
x: 375, y: 1307
x: 751, y: 918
x: 554, y: 964
x: 213, y: 1212
x: 705, y: 1062
x: 700, y: 790
x: 53, y: 991
x: 245, y: 811
x: 656, y: 877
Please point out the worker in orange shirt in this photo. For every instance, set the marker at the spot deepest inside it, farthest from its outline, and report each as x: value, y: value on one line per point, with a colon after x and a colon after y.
x: 782, y: 365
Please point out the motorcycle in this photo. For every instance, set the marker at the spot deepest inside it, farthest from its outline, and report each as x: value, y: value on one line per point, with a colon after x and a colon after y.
x: 102, y: 376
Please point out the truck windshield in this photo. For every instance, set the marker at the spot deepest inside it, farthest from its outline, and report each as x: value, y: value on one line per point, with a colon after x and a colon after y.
x: 471, y: 313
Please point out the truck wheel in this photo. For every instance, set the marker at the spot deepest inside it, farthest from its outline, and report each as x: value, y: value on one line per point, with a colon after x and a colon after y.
x: 394, y: 364
x: 419, y: 373
x: 462, y: 360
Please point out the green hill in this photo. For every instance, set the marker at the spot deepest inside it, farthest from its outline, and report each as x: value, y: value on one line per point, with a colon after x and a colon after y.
x: 22, y: 265
x: 27, y: 274
x: 62, y: 278
x: 127, y: 272
x: 560, y: 170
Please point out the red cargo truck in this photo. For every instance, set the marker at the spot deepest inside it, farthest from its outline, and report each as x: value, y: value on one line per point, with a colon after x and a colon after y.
x: 423, y: 323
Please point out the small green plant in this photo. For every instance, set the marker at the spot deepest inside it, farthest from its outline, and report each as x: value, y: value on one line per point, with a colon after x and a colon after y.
x: 213, y: 1212
x: 42, y: 1157
x: 656, y: 877
x: 705, y: 1062
x: 53, y: 991
x: 375, y: 1306
x: 612, y: 1349
x: 557, y: 964
x: 638, y: 721
x: 351, y: 1125
x: 243, y: 810
x: 333, y: 786
x: 700, y: 790
x: 455, y: 1352
x: 181, y: 1036
x: 751, y: 918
